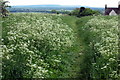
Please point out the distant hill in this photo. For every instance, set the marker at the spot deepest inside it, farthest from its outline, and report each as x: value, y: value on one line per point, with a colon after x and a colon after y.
x: 37, y: 6
x: 46, y: 6
x: 42, y: 8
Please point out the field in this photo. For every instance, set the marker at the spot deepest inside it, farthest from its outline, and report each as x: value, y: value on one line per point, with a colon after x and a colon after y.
x: 37, y: 45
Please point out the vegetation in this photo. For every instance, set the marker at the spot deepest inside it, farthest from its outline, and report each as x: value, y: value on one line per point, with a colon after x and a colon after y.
x: 100, y: 58
x: 37, y: 46
x: 58, y: 46
x: 80, y: 12
x: 60, y: 11
x: 3, y: 6
x: 53, y: 11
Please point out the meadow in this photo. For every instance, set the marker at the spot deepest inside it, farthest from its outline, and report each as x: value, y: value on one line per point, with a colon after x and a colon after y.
x: 37, y: 45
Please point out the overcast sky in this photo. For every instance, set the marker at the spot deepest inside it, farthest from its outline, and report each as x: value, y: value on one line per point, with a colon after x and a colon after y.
x: 90, y: 3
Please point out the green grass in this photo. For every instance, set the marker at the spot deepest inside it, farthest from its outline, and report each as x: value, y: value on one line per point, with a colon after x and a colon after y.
x: 0, y: 28
x: 75, y: 68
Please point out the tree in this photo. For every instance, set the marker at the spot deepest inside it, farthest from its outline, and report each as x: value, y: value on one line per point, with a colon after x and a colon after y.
x: 82, y: 11
x: 87, y: 12
x: 3, y: 6
x: 53, y: 11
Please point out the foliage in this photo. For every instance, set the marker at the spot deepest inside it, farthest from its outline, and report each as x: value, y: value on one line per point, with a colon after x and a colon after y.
x: 53, y: 11
x: 49, y: 46
x: 3, y: 6
x: 80, y: 12
x: 36, y: 46
x: 107, y: 46
x: 74, y: 12
x: 101, y: 53
x: 87, y: 12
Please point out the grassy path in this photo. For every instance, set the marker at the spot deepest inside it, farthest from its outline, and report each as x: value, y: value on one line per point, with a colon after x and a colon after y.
x: 75, y: 68
x: 76, y: 23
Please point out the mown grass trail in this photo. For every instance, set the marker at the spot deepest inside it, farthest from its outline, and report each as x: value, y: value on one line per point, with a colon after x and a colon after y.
x: 75, y: 68
x: 76, y: 24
